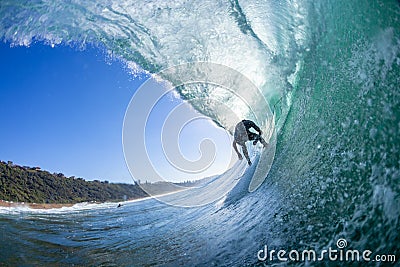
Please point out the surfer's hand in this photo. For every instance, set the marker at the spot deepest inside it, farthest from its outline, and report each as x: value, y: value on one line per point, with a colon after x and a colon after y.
x: 240, y: 156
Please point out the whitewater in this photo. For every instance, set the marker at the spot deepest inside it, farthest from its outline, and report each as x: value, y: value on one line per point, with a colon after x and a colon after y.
x: 330, y: 73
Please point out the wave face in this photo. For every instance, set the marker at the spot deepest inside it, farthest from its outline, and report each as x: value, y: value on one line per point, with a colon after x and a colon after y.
x: 263, y: 41
x: 334, y: 64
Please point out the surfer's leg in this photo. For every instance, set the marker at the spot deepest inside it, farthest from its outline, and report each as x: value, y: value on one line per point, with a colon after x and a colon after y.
x: 246, y: 154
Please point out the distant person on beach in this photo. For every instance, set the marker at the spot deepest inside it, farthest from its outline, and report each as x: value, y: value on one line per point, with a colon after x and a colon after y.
x: 243, y: 134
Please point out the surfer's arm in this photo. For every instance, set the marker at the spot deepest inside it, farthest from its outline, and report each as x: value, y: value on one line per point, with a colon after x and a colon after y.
x: 234, y: 144
x: 255, y: 127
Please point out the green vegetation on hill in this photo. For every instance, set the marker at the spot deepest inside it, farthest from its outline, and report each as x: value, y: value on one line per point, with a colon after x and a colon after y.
x: 32, y: 185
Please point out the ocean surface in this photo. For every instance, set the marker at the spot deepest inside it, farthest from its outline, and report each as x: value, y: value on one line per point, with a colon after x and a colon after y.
x: 330, y: 72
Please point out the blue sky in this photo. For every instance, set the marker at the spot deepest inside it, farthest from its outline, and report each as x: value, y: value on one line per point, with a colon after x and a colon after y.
x: 62, y: 109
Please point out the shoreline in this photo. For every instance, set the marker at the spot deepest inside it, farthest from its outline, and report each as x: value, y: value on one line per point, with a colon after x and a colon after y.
x: 47, y: 206
x: 11, y: 204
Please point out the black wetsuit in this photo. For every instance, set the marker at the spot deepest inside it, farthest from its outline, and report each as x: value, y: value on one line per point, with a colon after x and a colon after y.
x: 243, y: 133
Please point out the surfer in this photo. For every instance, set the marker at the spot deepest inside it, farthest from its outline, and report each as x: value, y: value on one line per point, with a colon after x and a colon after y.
x: 243, y: 134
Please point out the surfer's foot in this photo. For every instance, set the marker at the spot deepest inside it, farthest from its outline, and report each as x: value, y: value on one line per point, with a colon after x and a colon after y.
x: 249, y: 162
